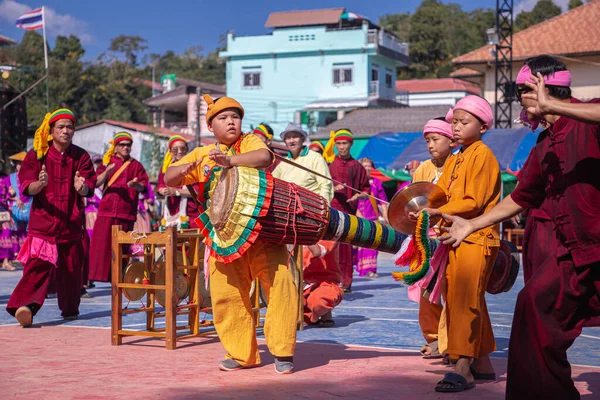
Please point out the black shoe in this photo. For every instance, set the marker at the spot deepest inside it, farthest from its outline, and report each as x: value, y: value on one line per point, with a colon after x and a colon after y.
x: 85, y: 294
x: 284, y: 365
x: 348, y: 289
x: 71, y: 317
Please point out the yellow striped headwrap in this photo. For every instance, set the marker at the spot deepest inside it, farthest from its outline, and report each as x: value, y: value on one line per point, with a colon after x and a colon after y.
x: 43, y: 134
x: 168, y: 156
x: 334, y: 136
x: 119, y: 137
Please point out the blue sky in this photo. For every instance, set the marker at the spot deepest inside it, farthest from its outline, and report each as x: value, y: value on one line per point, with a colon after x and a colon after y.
x: 180, y: 24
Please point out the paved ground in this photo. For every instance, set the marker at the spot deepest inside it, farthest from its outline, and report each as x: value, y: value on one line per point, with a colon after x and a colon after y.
x: 370, y: 352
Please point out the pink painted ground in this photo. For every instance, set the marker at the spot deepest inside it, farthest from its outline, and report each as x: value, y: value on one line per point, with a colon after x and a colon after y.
x: 56, y: 362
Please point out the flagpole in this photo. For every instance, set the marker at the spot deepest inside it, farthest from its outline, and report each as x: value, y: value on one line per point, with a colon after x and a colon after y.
x: 46, y: 58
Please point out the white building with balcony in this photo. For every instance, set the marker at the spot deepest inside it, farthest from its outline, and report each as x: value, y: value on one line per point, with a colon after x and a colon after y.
x: 312, y: 68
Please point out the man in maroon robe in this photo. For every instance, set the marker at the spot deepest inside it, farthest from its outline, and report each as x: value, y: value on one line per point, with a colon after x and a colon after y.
x: 122, y: 179
x: 350, y: 172
x: 58, y: 175
x: 562, y: 294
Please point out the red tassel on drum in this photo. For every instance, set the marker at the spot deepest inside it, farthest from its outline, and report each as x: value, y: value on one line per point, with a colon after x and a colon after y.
x: 406, y: 257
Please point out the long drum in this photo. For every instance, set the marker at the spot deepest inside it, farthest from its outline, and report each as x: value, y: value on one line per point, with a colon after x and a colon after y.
x: 249, y: 204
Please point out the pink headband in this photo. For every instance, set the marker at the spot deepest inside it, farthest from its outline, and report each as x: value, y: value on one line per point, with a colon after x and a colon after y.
x: 559, y: 78
x: 478, y: 106
x: 437, y: 126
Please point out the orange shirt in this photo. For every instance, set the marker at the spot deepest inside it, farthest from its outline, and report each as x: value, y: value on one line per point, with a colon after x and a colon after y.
x: 471, y: 180
x: 203, y: 173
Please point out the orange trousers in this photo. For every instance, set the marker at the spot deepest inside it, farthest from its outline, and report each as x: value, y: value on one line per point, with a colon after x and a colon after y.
x: 429, y: 318
x: 465, y: 327
x: 319, y: 299
x: 232, y: 310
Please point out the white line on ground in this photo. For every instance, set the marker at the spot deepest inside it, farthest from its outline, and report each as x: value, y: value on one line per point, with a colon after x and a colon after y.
x: 589, y: 336
x: 399, y: 309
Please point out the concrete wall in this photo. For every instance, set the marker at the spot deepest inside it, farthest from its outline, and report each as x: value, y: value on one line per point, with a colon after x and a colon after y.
x: 297, y: 39
x: 435, y: 98
x: 94, y: 139
x: 383, y: 65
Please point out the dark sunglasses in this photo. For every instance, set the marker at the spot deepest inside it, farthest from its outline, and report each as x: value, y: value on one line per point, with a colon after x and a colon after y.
x: 519, y: 92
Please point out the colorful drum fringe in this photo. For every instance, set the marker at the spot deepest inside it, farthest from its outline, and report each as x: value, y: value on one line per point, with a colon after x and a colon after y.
x: 242, y: 227
x: 417, y: 254
x: 346, y: 228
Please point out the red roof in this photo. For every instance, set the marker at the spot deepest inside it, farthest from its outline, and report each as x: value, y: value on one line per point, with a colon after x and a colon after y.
x: 143, y: 128
x: 4, y: 40
x: 465, y: 72
x: 283, y: 19
x: 436, y: 85
x: 576, y: 32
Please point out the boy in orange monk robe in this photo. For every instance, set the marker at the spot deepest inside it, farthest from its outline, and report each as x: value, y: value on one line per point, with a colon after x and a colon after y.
x: 471, y: 180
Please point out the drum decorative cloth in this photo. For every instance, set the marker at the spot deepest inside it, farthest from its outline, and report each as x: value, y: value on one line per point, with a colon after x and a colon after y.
x: 229, y: 239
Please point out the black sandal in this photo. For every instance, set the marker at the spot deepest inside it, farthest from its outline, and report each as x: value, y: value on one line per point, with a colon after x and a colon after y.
x: 458, y: 382
x: 325, y: 323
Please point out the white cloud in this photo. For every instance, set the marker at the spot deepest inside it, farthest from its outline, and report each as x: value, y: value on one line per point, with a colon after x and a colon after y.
x: 56, y: 24
x: 527, y: 5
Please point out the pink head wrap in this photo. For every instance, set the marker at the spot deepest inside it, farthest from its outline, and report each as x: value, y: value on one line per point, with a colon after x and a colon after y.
x: 559, y: 78
x: 436, y: 126
x: 478, y: 106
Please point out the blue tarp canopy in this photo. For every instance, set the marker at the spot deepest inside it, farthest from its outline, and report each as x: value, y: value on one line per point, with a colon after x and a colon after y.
x: 392, y: 151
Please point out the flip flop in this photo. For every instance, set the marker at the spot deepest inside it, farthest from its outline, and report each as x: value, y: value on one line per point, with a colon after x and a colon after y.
x: 434, y: 351
x: 325, y: 323
x: 480, y: 376
x: 458, y: 382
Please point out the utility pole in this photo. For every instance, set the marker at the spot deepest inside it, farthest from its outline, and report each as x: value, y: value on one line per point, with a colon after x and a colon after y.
x: 505, y: 86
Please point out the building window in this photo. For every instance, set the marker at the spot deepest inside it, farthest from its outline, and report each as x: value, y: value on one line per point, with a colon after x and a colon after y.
x: 252, y: 79
x: 374, y: 75
x: 388, y: 81
x: 342, y: 75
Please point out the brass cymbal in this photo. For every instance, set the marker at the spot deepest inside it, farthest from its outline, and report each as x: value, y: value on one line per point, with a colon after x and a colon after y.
x: 414, y: 197
x: 134, y: 273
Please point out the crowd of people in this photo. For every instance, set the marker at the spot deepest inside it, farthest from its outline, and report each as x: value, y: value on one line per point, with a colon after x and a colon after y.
x: 75, y: 199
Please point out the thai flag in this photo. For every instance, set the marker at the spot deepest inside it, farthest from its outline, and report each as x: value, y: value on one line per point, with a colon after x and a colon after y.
x: 32, y: 20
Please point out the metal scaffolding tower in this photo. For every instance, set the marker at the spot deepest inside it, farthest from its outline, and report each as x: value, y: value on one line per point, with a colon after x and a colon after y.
x: 504, y: 83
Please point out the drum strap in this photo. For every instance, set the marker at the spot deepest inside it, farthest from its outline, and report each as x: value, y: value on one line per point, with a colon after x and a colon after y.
x: 302, y: 167
x: 116, y: 175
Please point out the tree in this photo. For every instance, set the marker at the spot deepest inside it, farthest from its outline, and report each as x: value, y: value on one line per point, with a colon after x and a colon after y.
x: 575, y: 3
x: 129, y: 46
x: 68, y: 47
x: 29, y: 56
x: 398, y: 24
x: 427, y: 46
x: 543, y: 10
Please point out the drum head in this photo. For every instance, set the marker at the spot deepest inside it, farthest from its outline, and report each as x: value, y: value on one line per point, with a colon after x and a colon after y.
x: 223, y: 198
x: 182, y: 285
x: 134, y: 273
x: 514, y: 267
x: 503, y: 274
x: 413, y: 198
